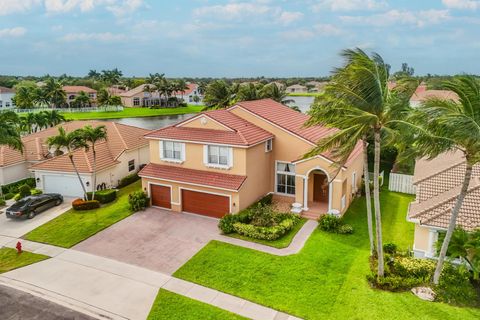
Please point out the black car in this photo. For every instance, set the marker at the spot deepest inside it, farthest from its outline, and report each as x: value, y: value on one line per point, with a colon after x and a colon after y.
x: 30, y: 206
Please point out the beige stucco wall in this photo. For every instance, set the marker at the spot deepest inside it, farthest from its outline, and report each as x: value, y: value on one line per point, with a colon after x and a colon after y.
x: 421, y: 241
x: 206, y: 123
x: 176, y: 193
x: 14, y: 173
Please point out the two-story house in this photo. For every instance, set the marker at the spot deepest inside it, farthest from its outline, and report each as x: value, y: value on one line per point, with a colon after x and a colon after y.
x: 73, y: 91
x: 219, y: 162
x: 6, y: 98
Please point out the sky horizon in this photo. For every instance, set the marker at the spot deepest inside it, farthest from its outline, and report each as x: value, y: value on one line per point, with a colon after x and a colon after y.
x: 244, y: 38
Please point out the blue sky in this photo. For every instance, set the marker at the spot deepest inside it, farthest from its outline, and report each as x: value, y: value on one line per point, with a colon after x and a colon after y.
x: 234, y: 38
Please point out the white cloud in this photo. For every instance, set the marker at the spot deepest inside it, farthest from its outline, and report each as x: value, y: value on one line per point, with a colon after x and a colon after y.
x: 12, y: 32
x: 102, y: 37
x: 117, y: 7
x: 404, y: 17
x: 287, y: 17
x: 15, y: 6
x: 462, y: 4
x: 318, y: 30
x: 349, y: 5
x: 124, y: 7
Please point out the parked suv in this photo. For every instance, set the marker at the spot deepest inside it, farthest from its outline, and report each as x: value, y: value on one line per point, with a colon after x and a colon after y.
x: 30, y: 206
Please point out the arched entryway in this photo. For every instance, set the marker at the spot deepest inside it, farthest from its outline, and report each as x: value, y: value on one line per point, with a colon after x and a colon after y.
x: 318, y: 192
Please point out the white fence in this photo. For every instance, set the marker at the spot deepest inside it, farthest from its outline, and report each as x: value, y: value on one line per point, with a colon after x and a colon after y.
x: 401, y: 183
x: 71, y: 110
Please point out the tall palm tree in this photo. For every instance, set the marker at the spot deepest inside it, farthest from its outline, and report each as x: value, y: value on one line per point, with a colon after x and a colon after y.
x: 9, y: 133
x: 446, y: 125
x: 82, y: 99
x: 218, y: 94
x: 70, y: 141
x: 181, y: 86
x: 359, y: 103
x: 92, y: 136
x: 53, y: 93
x: 53, y: 117
x: 41, y: 122
x: 24, y: 97
x: 104, y: 98
x: 276, y: 93
x: 248, y: 92
x: 27, y: 123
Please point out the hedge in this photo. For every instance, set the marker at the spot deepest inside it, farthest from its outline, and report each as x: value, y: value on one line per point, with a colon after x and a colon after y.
x: 266, y: 233
x: 103, y: 196
x: 80, y: 204
x: 131, y: 178
x: 13, y: 187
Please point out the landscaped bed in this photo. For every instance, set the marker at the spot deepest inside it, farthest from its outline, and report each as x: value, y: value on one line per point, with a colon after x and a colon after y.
x: 10, y: 259
x: 327, y: 279
x: 169, y: 305
x: 73, y: 226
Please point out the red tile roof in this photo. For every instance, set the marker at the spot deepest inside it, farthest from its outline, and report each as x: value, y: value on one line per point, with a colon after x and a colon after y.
x: 242, y: 132
x: 77, y: 89
x: 192, y: 176
x: 6, y: 90
x: 190, y: 88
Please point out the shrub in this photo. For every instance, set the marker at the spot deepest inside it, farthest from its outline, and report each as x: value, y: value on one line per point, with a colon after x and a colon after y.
x: 24, y: 191
x: 390, y: 248
x: 13, y: 187
x: 329, y: 223
x: 263, y: 216
x: 413, y: 267
x: 394, y: 282
x: 138, y: 200
x: 104, y: 196
x: 131, y: 178
x: 2, y: 202
x: 81, y: 205
x: 226, y: 223
x: 345, y: 229
x: 265, y: 233
x: 35, y: 192
x: 267, y: 200
x: 8, y: 196
x: 455, y: 287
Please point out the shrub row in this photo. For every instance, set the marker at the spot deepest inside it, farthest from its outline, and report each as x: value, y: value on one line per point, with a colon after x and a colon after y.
x: 131, y: 178
x: 334, y: 224
x: 103, y: 196
x: 266, y: 233
x: 13, y: 187
x: 81, y: 205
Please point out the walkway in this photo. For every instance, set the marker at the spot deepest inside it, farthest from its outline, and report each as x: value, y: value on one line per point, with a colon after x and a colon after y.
x: 100, y: 287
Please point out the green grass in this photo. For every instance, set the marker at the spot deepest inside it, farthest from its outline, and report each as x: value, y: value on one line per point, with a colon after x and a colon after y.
x: 10, y: 259
x: 132, y: 113
x: 304, y: 94
x: 280, y: 243
x: 326, y: 279
x: 169, y: 305
x: 73, y: 226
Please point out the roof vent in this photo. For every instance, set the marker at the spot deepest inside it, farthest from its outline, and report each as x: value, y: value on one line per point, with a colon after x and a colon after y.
x: 203, y: 121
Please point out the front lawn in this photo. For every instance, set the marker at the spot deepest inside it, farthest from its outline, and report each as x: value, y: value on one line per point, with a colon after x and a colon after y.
x: 327, y: 279
x: 169, y: 305
x: 10, y: 259
x: 132, y: 112
x: 280, y: 243
x: 73, y: 226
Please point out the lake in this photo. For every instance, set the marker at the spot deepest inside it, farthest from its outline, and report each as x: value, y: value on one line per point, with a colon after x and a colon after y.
x: 152, y: 123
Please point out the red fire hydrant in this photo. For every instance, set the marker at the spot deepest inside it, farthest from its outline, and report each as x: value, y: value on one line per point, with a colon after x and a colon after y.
x: 19, y: 247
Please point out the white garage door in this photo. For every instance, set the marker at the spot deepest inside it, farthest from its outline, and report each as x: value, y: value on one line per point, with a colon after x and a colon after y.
x: 65, y: 185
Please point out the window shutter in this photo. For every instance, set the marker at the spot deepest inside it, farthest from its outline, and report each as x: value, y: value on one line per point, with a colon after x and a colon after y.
x: 183, y: 156
x: 205, y: 154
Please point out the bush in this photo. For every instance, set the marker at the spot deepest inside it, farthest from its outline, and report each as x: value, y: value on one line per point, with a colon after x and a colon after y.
x: 455, y: 287
x: 267, y: 200
x: 390, y: 248
x: 138, y: 200
x: 329, y: 223
x: 104, y: 196
x: 263, y: 216
x: 24, y: 191
x: 394, y: 283
x: 413, y: 267
x: 266, y: 233
x: 2, y: 202
x: 13, y: 187
x: 131, y: 178
x: 81, y: 205
x: 35, y: 192
x: 8, y: 196
x: 345, y: 229
x: 226, y: 223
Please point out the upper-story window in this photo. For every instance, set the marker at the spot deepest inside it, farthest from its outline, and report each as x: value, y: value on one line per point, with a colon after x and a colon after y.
x: 131, y: 165
x: 172, y: 151
x: 218, y: 156
x: 285, y: 178
x: 268, y: 145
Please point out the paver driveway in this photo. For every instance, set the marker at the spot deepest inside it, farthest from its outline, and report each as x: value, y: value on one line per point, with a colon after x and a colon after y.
x: 155, y: 239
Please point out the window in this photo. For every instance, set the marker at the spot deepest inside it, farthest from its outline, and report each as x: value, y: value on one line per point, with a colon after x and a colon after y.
x: 136, y: 101
x: 285, y: 178
x: 218, y: 155
x: 172, y: 151
x: 71, y: 97
x: 13, y: 103
x: 131, y: 165
x: 268, y: 145
x: 354, y: 182
x: 7, y: 104
x: 91, y: 95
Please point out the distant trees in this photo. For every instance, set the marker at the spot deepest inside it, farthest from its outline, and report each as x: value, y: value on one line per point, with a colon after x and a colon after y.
x: 27, y: 94
x: 9, y: 133
x: 104, y: 98
x: 52, y: 92
x: 33, y: 122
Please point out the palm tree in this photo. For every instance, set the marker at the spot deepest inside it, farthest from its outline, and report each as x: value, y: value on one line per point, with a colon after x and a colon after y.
x: 40, y: 120
x: 92, y: 136
x: 181, y: 86
x: 82, y: 99
x: 53, y: 93
x: 359, y: 103
x: 93, y: 74
x: 276, y: 93
x: 218, y: 95
x: 53, y: 117
x: 27, y: 123
x: 466, y: 245
x: 248, y: 92
x: 24, y: 97
x: 446, y: 125
x: 70, y: 141
x: 9, y: 133
x: 104, y: 98
x: 111, y: 76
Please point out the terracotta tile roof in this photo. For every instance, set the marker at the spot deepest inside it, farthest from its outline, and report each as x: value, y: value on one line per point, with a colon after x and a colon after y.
x: 6, y: 90
x: 77, y: 89
x: 285, y: 118
x: 242, y: 132
x: 120, y: 137
x: 420, y: 96
x: 201, y: 177
x: 191, y: 87
x: 438, y: 184
x: 135, y: 91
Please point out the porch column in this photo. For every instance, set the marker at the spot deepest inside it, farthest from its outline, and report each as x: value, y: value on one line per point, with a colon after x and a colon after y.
x: 330, y: 187
x: 432, y: 239
x: 305, y: 193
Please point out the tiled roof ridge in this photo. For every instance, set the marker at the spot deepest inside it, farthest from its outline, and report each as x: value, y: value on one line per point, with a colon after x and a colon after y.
x: 87, y: 161
x: 125, y: 146
x: 454, y: 165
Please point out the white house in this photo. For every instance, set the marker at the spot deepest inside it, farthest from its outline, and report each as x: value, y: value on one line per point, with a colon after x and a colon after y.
x: 189, y: 94
x: 6, y: 98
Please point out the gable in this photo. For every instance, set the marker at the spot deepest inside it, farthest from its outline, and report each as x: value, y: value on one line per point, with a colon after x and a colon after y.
x: 203, y: 122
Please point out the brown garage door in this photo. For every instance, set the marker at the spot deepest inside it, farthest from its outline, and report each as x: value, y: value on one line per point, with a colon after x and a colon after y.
x: 205, y: 203
x: 160, y: 196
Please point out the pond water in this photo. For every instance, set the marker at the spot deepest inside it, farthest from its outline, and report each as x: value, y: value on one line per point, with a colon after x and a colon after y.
x: 303, y: 103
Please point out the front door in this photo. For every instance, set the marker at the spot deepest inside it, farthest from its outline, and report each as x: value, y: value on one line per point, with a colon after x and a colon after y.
x: 320, y: 188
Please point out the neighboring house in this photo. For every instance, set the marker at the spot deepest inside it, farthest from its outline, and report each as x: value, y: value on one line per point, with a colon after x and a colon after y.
x: 116, y: 90
x: 422, y: 94
x: 73, y: 91
x: 221, y: 161
x: 296, y: 88
x: 6, y: 98
x: 123, y: 153
x: 316, y: 86
x: 438, y: 183
x: 279, y: 84
x: 140, y: 97
x: 189, y: 94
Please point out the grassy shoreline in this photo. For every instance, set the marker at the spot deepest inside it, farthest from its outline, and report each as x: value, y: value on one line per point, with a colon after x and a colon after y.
x: 304, y: 94
x: 132, y: 113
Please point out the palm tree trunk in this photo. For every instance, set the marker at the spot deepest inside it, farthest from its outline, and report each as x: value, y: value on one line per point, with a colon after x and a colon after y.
x: 453, y: 222
x: 78, y: 175
x: 368, y: 196
x: 94, y: 171
x: 376, y: 203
